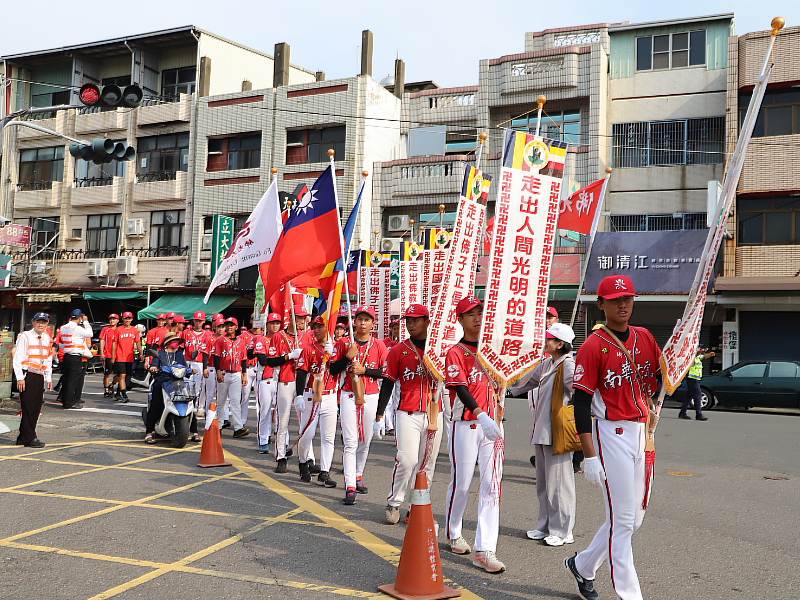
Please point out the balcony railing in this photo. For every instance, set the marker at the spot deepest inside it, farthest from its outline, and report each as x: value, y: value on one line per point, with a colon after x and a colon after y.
x: 156, y: 176
x: 162, y: 252
x: 39, y: 116
x: 32, y: 186
x: 93, y: 181
x: 156, y: 100
x: 91, y: 110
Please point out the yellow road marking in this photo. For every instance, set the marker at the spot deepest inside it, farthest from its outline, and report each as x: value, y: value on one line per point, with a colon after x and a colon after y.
x: 52, y: 449
x: 78, y: 464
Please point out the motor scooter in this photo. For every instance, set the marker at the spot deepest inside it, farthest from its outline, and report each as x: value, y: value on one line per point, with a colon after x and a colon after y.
x: 179, y: 405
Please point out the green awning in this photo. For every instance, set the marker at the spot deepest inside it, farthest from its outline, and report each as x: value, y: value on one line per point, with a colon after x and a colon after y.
x: 116, y: 295
x: 186, y: 305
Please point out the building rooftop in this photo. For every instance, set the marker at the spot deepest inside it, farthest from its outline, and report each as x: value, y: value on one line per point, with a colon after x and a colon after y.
x: 687, y: 21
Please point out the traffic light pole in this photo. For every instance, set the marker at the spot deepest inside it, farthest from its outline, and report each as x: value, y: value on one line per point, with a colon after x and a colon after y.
x: 45, y: 130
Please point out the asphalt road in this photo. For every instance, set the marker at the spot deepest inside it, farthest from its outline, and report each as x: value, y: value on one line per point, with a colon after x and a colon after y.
x: 99, y: 514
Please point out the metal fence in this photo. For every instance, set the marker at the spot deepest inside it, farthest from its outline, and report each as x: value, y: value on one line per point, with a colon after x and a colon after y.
x: 666, y: 143
x: 162, y: 252
x: 156, y: 176
x: 93, y: 181
x: 32, y: 186
x: 675, y: 222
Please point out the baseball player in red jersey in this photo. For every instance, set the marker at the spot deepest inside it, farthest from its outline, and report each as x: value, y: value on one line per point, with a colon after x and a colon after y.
x: 106, y: 343
x: 365, y: 358
x: 210, y: 373
x: 193, y: 351
x: 267, y: 387
x: 473, y: 432
x: 616, y: 392
x: 229, y: 360
x: 311, y: 365
x: 152, y: 334
x: 407, y: 371
x: 284, y: 350
x: 247, y: 338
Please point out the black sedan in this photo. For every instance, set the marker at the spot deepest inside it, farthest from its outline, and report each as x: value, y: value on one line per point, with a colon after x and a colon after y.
x: 772, y: 384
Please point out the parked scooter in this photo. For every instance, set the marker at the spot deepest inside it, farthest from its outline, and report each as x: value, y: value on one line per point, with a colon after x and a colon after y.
x: 179, y: 404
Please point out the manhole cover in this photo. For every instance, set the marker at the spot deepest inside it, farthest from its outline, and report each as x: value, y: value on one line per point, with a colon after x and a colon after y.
x: 680, y: 474
x: 776, y: 478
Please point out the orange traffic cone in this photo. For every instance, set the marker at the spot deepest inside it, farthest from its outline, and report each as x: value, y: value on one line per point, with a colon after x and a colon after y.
x: 211, y: 454
x: 419, y: 574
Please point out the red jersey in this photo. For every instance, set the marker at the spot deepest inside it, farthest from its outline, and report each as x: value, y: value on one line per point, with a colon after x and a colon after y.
x: 107, y: 336
x: 261, y: 346
x: 207, y: 346
x: 603, y: 370
x: 194, y: 343
x: 310, y: 361
x: 57, y: 340
x: 154, y: 334
x: 390, y: 343
x: 415, y: 380
x: 231, y: 353
x: 372, y: 355
x: 249, y: 344
x: 282, y: 343
x: 462, y: 368
x: 126, y: 338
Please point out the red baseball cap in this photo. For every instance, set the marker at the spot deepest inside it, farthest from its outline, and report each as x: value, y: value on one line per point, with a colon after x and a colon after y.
x: 615, y: 286
x: 161, y: 316
x: 252, y: 316
x: 199, y: 315
x: 113, y: 316
x: 232, y: 320
x: 394, y: 322
x: 300, y: 311
x: 216, y: 316
x: 207, y: 326
x: 318, y: 320
x: 466, y: 304
x: 170, y: 315
x: 219, y: 321
x: 178, y: 319
x: 416, y: 310
x: 364, y: 309
x: 127, y: 315
x: 274, y: 317
x: 552, y: 311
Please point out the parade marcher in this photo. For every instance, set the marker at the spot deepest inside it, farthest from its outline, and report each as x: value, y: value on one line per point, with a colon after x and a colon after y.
x: 126, y: 337
x: 170, y: 353
x: 406, y: 370
x: 210, y: 384
x: 391, y: 342
x: 284, y: 350
x: 555, y: 478
x: 73, y: 338
x: 267, y: 387
x: 193, y: 351
x: 105, y: 354
x: 248, y: 338
x: 155, y: 333
x: 363, y: 358
x: 473, y: 433
x: 312, y: 364
x: 170, y: 317
x: 693, y: 391
x: 614, y: 387
x: 338, y: 332
x: 33, y: 367
x: 230, y: 357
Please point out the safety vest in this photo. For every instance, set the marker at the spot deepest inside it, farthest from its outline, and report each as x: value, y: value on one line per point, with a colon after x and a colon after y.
x: 696, y: 370
x: 38, y: 352
x: 67, y: 345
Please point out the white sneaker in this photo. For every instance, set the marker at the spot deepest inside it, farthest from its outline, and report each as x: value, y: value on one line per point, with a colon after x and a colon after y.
x: 535, y: 534
x: 460, y: 546
x: 554, y: 540
x: 487, y: 560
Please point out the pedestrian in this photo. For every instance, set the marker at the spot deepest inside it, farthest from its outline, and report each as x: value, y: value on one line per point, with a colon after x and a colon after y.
x: 73, y: 342
x: 693, y: 391
x: 406, y: 370
x: 170, y: 354
x: 192, y: 349
x: 474, y: 429
x: 551, y: 317
x: 109, y: 379
x: 615, y: 388
x: 126, y: 339
x: 252, y: 364
x: 267, y: 388
x: 230, y: 358
x: 338, y: 332
x: 33, y: 367
x: 362, y: 363
x: 555, y: 478
x: 320, y: 408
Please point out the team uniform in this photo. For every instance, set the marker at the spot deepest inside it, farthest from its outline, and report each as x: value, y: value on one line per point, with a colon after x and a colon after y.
x: 282, y: 343
x: 231, y: 353
x: 252, y: 374
x: 193, y: 342
x: 126, y: 338
x: 620, y: 408
x: 153, y: 335
x: 210, y: 382
x: 266, y: 391
x: 322, y: 413
x: 107, y: 336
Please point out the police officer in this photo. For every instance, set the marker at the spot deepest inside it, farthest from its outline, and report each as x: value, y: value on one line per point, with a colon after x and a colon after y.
x: 693, y: 384
x: 33, y: 366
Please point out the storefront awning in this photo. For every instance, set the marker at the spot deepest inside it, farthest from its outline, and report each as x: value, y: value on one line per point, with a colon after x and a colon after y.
x: 115, y: 295
x: 186, y: 305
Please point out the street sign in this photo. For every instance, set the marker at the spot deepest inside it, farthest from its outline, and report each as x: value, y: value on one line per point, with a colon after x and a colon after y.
x: 394, y: 272
x: 15, y: 235
x: 221, y: 240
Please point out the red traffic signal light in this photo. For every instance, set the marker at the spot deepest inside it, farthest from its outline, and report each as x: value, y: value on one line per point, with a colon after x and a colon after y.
x: 111, y: 95
x: 90, y: 94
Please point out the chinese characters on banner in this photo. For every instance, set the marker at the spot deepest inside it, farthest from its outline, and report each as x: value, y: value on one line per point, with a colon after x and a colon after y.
x: 526, y: 213
x: 374, y: 292
x: 410, y: 289
x: 222, y: 237
x: 433, y: 263
x: 579, y: 211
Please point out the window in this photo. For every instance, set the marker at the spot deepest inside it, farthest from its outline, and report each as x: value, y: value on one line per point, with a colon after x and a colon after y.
x: 322, y: 140
x: 102, y: 233
x: 673, y: 222
x: 460, y: 141
x: 671, y: 51
x: 244, y: 152
x: 76, y: 234
x: 779, y: 113
x: 175, y: 82
x: 768, y: 220
x: 166, y: 228
x: 664, y: 143
x: 562, y: 125
x: 441, y: 170
x: 120, y: 81
x: 88, y: 174
x: 750, y: 370
x: 782, y: 369
x: 294, y: 138
x: 159, y: 157
x: 43, y: 240
x: 40, y: 167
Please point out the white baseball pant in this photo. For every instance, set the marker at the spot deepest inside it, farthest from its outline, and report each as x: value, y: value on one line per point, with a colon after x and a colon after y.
x: 197, y: 379
x: 266, y: 390
x: 252, y: 380
x: 355, y: 452
x: 325, y: 416
x: 229, y: 393
x: 410, y: 438
x: 447, y: 414
x: 468, y: 446
x: 286, y: 395
x: 622, y: 457
x: 210, y: 389
x: 302, y: 410
x: 388, y: 414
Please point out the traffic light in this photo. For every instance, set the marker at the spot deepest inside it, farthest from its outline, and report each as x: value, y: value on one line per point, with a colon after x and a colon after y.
x: 102, y: 151
x: 111, y: 95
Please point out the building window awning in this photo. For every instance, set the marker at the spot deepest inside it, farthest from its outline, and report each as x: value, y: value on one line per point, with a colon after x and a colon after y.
x: 186, y: 305
x: 46, y: 298
x: 116, y: 295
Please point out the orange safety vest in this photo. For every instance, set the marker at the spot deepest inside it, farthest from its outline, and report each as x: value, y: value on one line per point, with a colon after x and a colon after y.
x: 66, y: 344
x: 38, y: 352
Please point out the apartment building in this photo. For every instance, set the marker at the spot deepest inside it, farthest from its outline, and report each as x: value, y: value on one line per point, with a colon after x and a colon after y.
x: 760, y: 286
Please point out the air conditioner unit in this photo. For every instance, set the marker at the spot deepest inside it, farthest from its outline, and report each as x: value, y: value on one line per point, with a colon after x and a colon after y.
x: 202, y: 269
x: 97, y: 267
x: 399, y: 222
x: 208, y: 239
x: 134, y: 227
x: 126, y: 265
x: 391, y: 244
x: 39, y: 266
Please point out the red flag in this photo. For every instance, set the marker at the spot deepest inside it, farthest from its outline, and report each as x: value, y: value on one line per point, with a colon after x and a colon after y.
x: 577, y: 213
x: 487, y: 237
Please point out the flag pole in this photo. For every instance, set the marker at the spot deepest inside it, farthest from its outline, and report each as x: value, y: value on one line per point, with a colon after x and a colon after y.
x: 482, y: 139
x: 358, y: 272
x: 341, y: 244
x: 540, y: 101
x: 589, y: 247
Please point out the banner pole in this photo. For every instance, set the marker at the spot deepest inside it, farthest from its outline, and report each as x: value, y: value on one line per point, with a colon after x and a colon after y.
x: 341, y: 244
x: 540, y: 101
x: 589, y: 247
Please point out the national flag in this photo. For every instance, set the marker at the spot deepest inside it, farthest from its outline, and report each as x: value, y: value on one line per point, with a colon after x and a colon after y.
x: 527, y: 152
x: 355, y: 260
x: 476, y: 185
x: 580, y: 211
x: 311, y: 237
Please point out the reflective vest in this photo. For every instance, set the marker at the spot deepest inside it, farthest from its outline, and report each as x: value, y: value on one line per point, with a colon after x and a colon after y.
x: 67, y: 344
x: 38, y: 352
x: 696, y: 370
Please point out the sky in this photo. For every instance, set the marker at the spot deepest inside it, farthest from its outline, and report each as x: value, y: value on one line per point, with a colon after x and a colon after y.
x: 438, y: 41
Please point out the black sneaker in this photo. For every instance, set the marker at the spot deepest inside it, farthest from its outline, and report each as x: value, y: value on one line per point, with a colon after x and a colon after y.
x: 684, y: 417
x: 305, y: 474
x: 585, y: 586
x: 701, y: 417
x: 35, y: 443
x: 124, y: 399
x: 325, y: 479
x: 239, y: 433
x: 313, y: 468
x: 281, y: 468
x: 226, y: 425
x: 360, y: 487
x: 533, y: 461
x: 349, y: 497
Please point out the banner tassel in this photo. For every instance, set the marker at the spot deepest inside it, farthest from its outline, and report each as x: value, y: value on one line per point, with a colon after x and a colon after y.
x: 649, y: 468
x: 360, y: 421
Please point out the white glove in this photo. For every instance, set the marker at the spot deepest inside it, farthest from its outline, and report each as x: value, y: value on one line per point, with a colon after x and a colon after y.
x: 298, y: 403
x: 377, y: 429
x: 294, y: 354
x: 329, y: 348
x: 593, y: 471
x: 490, y: 428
